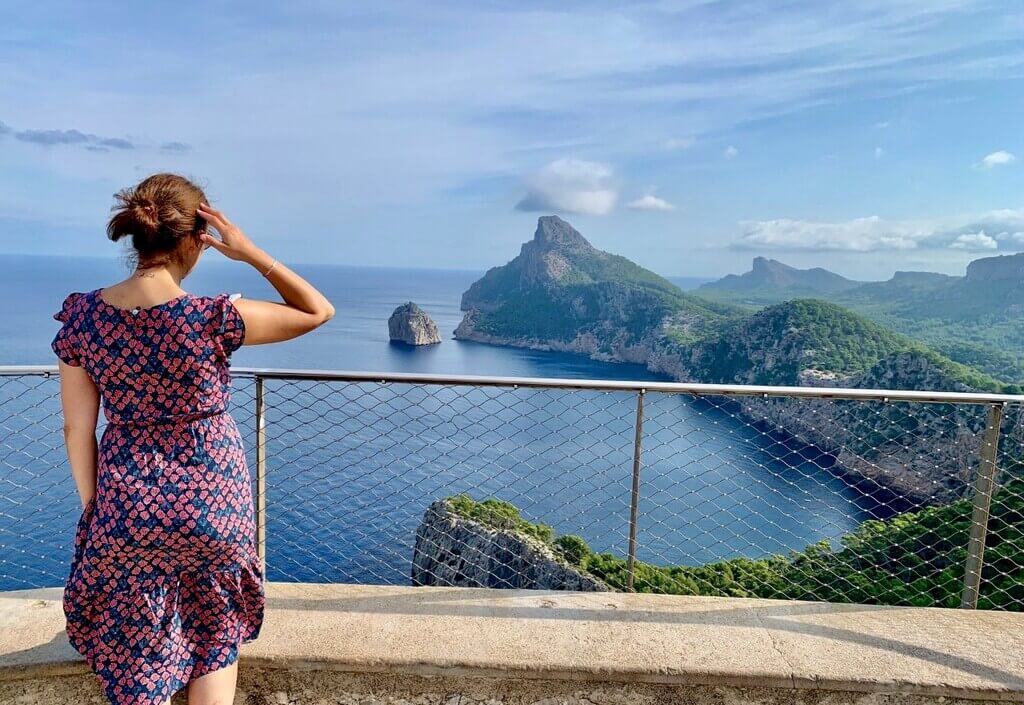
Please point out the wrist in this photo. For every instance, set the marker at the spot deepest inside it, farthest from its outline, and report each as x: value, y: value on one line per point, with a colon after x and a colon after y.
x: 260, y: 259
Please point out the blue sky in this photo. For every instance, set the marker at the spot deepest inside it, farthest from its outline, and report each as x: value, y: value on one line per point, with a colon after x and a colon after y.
x: 689, y: 136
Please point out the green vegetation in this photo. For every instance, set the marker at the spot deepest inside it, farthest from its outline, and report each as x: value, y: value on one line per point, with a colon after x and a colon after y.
x: 974, y: 321
x: 571, y: 310
x: 915, y: 558
x: 561, y: 291
x: 499, y: 515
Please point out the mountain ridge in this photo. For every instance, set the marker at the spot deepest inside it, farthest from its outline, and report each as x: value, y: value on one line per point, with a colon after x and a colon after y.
x: 604, y: 306
x: 976, y: 319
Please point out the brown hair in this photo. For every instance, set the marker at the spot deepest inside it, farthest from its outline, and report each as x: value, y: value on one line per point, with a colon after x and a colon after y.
x: 159, y: 214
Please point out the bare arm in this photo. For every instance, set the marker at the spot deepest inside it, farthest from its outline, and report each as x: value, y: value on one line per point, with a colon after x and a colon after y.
x: 80, y: 402
x: 304, y: 307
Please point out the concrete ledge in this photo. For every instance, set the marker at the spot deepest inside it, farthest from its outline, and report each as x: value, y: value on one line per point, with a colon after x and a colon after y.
x: 511, y: 645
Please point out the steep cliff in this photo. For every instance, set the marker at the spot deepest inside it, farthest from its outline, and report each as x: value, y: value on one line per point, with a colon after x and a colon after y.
x: 491, y: 548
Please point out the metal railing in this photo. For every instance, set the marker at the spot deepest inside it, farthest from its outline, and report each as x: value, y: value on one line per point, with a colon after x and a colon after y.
x: 811, y: 493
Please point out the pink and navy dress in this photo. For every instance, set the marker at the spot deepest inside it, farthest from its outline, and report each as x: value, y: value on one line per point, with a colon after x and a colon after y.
x: 165, y: 582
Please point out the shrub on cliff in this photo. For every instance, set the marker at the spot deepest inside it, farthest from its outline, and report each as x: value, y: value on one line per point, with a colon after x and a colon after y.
x: 916, y: 558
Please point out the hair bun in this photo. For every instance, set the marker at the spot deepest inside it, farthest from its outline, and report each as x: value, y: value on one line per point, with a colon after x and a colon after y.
x: 146, y: 215
x: 158, y: 214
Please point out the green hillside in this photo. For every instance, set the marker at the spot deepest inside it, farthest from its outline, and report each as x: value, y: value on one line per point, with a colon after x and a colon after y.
x: 916, y: 558
x: 977, y: 319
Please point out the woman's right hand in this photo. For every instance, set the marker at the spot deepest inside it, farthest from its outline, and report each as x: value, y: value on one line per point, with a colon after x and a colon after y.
x: 304, y: 307
x: 233, y: 243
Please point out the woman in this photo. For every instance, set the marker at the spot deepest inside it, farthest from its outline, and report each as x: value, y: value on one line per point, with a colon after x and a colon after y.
x: 165, y: 582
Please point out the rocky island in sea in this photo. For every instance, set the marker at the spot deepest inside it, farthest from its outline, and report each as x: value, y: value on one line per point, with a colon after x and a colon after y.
x: 410, y: 325
x: 562, y: 293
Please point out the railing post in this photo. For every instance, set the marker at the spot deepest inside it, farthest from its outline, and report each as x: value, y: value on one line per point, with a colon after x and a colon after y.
x: 635, y: 498
x: 983, y: 485
x: 261, y: 475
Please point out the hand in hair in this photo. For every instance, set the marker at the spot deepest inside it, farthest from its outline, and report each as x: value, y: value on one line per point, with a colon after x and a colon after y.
x: 233, y: 243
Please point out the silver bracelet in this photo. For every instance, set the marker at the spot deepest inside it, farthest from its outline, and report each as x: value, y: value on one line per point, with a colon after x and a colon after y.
x: 266, y: 273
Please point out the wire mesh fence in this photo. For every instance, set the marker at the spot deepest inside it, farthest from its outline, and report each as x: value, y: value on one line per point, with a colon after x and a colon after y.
x: 840, y: 495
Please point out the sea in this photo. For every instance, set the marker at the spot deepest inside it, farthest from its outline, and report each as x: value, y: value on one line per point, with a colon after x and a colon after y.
x: 351, y: 467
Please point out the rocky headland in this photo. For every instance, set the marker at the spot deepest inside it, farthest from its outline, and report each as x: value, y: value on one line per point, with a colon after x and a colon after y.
x: 490, y: 549
x: 561, y: 293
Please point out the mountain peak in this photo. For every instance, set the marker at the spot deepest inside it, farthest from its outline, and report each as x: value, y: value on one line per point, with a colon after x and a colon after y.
x: 769, y: 274
x: 552, y: 231
x: 557, y: 257
x: 763, y: 265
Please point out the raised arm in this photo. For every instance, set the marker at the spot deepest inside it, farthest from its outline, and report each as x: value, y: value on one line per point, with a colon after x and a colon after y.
x: 304, y: 307
x: 80, y: 401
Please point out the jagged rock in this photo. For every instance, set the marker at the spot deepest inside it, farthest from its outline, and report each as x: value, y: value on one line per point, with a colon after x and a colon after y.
x: 455, y: 551
x: 411, y: 325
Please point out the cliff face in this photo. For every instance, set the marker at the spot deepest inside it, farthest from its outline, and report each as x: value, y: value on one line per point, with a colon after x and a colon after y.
x: 411, y: 325
x: 453, y: 550
x: 1004, y: 267
x: 926, y: 453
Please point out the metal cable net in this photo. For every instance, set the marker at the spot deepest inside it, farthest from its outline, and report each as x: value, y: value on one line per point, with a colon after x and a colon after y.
x: 392, y: 482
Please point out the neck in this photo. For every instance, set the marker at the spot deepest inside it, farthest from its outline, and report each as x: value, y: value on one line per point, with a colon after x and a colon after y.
x: 167, y: 272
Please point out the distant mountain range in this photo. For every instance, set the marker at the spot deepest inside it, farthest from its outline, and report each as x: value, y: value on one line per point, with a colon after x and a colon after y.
x: 562, y: 293
x: 771, y: 275
x: 976, y: 319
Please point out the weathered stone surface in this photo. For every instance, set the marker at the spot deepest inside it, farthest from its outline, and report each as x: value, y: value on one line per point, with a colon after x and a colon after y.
x: 328, y: 644
x: 411, y: 325
x: 452, y: 550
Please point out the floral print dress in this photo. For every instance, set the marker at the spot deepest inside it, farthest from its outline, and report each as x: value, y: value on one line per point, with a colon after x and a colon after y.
x: 165, y: 582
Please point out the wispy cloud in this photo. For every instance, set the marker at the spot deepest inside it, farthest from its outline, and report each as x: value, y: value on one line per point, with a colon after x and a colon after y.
x: 1000, y: 158
x: 50, y: 138
x: 650, y: 202
x: 570, y: 186
x: 179, y: 147
x: 995, y: 230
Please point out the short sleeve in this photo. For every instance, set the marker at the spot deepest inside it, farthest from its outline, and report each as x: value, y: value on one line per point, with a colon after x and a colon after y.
x: 230, y: 328
x: 66, y: 344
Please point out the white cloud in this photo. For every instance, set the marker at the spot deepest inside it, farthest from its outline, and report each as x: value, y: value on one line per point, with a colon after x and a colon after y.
x: 570, y: 186
x: 677, y: 143
x: 730, y: 152
x: 974, y: 242
x: 994, y: 230
x: 882, y: 125
x: 1000, y: 158
x: 879, y: 152
x: 650, y: 202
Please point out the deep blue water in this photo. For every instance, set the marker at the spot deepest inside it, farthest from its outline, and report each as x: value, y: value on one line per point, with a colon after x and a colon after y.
x: 352, y: 467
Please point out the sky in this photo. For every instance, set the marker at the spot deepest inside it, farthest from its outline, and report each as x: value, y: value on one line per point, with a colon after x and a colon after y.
x: 865, y: 136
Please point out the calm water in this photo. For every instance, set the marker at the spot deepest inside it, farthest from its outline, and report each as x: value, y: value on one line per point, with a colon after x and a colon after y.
x: 352, y: 467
